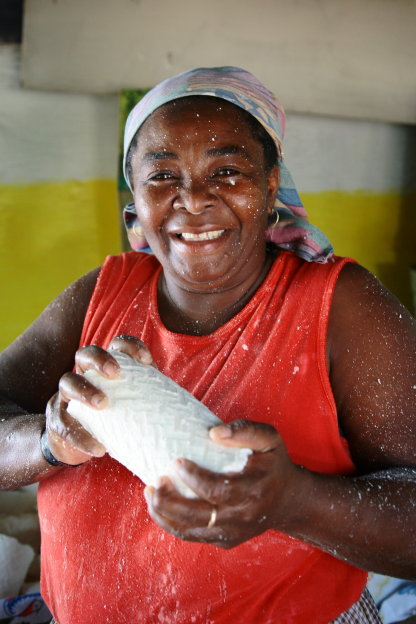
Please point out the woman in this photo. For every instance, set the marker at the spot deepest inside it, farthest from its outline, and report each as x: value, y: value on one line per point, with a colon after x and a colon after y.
x: 316, y: 357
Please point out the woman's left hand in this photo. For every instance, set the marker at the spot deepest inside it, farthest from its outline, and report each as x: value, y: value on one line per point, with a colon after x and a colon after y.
x: 230, y: 508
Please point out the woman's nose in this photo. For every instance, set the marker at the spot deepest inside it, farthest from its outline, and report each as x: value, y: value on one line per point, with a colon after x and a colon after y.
x: 194, y: 198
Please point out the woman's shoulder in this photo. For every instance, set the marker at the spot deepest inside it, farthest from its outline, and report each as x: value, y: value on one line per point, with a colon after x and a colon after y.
x: 127, y: 269
x: 296, y: 261
x: 319, y: 278
x: 362, y: 307
x: 358, y: 291
x: 130, y: 260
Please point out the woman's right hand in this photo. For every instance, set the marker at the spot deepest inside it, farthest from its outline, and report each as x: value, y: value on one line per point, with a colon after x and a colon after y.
x: 68, y: 441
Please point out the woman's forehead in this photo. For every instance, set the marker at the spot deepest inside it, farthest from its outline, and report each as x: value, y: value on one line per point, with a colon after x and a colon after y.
x: 194, y: 114
x: 198, y: 103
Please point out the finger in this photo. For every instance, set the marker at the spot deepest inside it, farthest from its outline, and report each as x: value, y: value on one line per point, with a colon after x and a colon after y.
x: 189, y: 519
x: 199, y: 521
x: 69, y: 453
x: 67, y: 437
x: 98, y: 359
x: 169, y: 503
x: 211, y: 486
x: 177, y: 510
x: 73, y: 433
x: 74, y: 386
x: 132, y: 346
x: 259, y: 437
x: 232, y: 489
x: 161, y: 509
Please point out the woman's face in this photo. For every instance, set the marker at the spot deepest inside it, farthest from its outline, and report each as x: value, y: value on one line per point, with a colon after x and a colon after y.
x: 202, y: 193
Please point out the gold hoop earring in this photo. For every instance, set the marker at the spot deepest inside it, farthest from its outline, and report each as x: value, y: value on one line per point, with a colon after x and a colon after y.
x: 137, y: 230
x: 276, y: 219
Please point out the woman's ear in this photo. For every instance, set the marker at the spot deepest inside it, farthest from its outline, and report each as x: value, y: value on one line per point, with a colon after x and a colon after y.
x: 273, y: 180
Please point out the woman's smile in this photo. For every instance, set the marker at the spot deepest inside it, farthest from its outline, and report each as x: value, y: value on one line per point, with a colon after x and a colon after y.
x: 200, y: 242
x: 204, y: 236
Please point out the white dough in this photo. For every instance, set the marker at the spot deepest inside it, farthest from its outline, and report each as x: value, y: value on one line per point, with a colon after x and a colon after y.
x: 151, y: 421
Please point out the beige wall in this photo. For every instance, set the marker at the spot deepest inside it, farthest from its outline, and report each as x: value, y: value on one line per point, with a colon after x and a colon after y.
x: 353, y: 58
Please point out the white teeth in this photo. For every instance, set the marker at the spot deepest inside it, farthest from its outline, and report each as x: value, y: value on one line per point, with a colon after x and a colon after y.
x: 203, y: 236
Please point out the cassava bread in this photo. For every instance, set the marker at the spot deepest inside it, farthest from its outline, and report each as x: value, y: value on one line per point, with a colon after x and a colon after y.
x: 150, y: 421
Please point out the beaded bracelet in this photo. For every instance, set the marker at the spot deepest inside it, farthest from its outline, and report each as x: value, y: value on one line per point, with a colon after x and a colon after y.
x: 47, y: 453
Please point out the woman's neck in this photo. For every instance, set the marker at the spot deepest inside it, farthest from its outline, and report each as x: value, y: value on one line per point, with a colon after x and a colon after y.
x: 201, y: 313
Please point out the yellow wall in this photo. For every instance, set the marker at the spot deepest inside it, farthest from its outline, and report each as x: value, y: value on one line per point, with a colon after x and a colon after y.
x: 53, y: 232
x: 50, y: 234
x: 377, y: 229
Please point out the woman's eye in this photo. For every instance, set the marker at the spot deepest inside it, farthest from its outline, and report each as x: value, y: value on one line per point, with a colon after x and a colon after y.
x: 162, y: 175
x: 225, y: 172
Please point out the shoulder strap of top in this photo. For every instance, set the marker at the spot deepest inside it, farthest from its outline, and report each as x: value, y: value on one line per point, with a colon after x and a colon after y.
x: 119, y: 276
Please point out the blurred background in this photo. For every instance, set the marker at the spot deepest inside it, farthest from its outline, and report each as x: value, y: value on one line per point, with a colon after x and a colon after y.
x: 69, y: 70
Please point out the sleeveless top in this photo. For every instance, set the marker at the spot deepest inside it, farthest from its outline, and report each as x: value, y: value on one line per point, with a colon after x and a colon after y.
x: 105, y: 560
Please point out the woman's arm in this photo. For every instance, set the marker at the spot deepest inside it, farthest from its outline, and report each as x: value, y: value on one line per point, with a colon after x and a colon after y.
x: 372, y: 354
x: 30, y: 370
x: 369, y: 519
x: 31, y: 366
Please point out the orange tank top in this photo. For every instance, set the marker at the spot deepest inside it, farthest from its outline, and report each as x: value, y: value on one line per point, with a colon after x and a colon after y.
x: 105, y: 560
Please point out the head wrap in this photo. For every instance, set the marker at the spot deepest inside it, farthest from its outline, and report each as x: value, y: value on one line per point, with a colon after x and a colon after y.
x: 293, y: 231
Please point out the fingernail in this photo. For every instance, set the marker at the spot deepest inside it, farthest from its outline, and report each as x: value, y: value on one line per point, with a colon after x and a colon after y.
x: 111, y: 369
x: 222, y: 431
x: 181, y: 464
x: 145, y: 357
x: 99, y: 450
x: 98, y: 400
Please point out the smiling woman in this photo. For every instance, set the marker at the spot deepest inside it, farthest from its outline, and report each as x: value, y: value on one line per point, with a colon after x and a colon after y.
x: 307, y: 360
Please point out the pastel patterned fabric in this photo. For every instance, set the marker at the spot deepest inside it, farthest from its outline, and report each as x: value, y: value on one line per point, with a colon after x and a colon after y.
x: 293, y: 231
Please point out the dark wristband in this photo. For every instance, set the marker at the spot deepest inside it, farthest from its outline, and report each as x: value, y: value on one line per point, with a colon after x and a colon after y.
x: 47, y: 453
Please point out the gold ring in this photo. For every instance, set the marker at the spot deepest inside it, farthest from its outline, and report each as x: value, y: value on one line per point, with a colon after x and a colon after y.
x: 212, y: 518
x: 137, y: 230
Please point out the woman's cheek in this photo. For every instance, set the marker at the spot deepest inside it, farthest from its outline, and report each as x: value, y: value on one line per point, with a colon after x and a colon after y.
x: 150, y: 204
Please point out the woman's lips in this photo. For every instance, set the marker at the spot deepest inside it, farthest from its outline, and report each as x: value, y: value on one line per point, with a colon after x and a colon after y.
x: 208, y: 242
x: 202, y: 236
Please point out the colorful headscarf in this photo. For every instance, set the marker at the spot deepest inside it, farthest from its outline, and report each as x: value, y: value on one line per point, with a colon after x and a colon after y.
x: 293, y: 231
